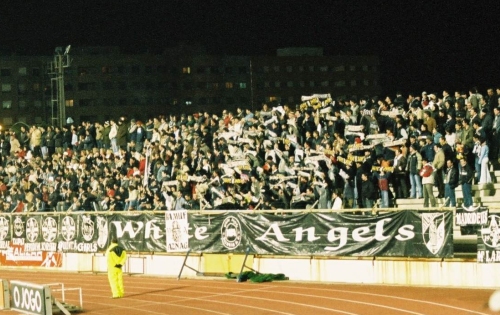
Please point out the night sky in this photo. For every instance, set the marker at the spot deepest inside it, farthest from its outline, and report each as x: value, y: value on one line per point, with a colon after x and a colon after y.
x: 422, y: 46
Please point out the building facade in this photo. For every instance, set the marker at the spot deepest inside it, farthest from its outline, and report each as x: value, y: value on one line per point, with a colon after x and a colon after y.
x: 102, y: 83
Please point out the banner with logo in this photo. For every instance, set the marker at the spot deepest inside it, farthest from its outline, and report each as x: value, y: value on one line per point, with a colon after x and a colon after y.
x: 5, y: 231
x: 403, y: 233
x: 488, y: 241
x: 177, y: 231
x: 82, y: 233
x: 33, y: 241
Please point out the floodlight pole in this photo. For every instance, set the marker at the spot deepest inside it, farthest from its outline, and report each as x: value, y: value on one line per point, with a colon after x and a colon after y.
x: 61, y: 61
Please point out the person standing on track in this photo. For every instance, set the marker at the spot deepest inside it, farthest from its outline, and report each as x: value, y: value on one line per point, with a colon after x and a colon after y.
x: 116, y: 257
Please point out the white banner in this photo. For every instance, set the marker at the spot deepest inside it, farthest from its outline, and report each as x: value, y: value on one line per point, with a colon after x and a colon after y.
x: 177, y: 227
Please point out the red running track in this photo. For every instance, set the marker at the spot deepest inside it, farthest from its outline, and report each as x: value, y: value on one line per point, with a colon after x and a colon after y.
x: 157, y: 295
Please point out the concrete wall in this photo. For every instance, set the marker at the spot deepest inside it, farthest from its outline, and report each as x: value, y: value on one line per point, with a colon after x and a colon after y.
x: 401, y: 271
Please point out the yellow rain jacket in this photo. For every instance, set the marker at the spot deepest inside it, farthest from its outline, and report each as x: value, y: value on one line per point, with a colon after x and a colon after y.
x: 116, y: 257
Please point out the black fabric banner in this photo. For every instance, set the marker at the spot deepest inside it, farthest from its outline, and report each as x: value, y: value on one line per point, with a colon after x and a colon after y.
x: 5, y: 231
x: 472, y: 216
x: 488, y: 241
x: 139, y: 232
x: 403, y: 233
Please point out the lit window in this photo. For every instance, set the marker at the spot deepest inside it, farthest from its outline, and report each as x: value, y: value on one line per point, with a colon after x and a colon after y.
x: 365, y: 68
x: 186, y: 70
x: 267, y: 84
x: 215, y: 85
x: 36, y: 87
x: 352, y: 68
x: 189, y: 102
x: 69, y: 103
x: 6, y: 87
x: 22, y: 71
x: 302, y: 83
x: 324, y: 83
x: 290, y: 99
x: 266, y: 69
x: 340, y: 83
x: 6, y: 104
x: 277, y: 84
x: 311, y: 83
x: 366, y: 82
x: 301, y: 68
x: 22, y: 104
x: 243, y: 85
x: 353, y: 82
x: 289, y: 69
x: 276, y: 68
x: 339, y: 68
x: 289, y: 84
x: 311, y: 68
x: 323, y: 69
x: 229, y: 85
x: 272, y: 98
x: 37, y: 103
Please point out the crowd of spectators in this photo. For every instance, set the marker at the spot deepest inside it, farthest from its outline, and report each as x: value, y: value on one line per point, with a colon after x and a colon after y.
x: 325, y: 153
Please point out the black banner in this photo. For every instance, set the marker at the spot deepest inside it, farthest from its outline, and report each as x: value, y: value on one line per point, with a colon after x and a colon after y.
x: 404, y: 233
x: 139, y: 232
x: 5, y: 231
x: 488, y: 241
x: 471, y: 216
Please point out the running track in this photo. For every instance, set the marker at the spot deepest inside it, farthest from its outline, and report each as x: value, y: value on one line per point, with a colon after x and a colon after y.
x: 156, y: 295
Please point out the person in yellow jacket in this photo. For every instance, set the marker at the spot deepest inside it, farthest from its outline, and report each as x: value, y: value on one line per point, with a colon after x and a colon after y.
x: 116, y: 257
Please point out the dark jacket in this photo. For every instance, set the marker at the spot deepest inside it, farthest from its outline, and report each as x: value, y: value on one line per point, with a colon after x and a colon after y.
x: 451, y: 177
x: 466, y: 174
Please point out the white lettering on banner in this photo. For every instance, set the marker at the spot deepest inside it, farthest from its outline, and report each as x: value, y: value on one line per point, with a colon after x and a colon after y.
x: 340, y: 234
x: 129, y: 228
x: 4, y: 244
x: 75, y: 246
x: 333, y: 238
x: 199, y: 232
x: 405, y: 233
x: 485, y: 256
x: 151, y: 230
x: 27, y: 299
x: 471, y: 218
x: 357, y: 234
x: 16, y: 254
x: 176, y: 215
x: 18, y: 241
x: 299, y: 233
x: 276, y: 232
x: 35, y: 247
x: 177, y: 231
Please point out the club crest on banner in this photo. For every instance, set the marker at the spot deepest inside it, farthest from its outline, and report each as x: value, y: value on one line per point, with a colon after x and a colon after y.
x: 433, y: 231
x: 490, y: 233
x: 4, y: 228
x: 32, y: 230
x: 102, y: 231
x: 87, y: 228
x: 18, y: 227
x: 49, y: 229
x: 231, y: 233
x: 68, y: 228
